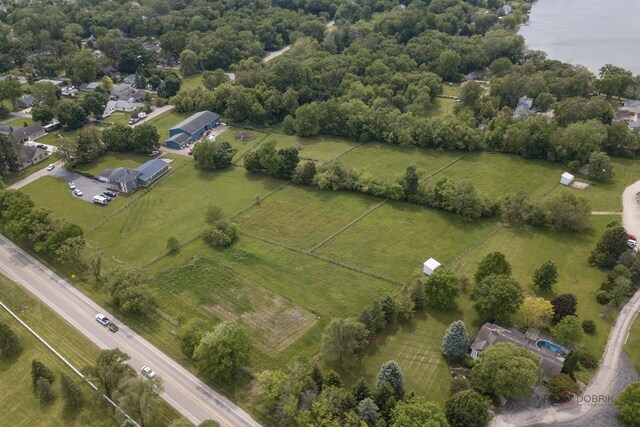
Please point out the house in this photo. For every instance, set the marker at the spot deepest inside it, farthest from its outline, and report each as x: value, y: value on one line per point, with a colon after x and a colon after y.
x: 30, y: 155
x: 127, y: 93
x: 26, y: 101
x: 629, y: 114
x: 152, y: 45
x: 430, y: 266
x: 566, y: 179
x: 121, y: 106
x: 23, y: 134
x: 524, y: 107
x: 89, y: 87
x: 632, y: 103
x: 128, y: 180
x: 191, y: 129
x: 550, y: 355
x: 474, y: 75
x: 130, y: 79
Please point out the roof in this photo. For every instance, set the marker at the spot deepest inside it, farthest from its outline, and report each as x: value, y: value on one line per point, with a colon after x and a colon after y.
x: 55, y: 82
x: 567, y: 175
x: 490, y: 334
x: 27, y: 100
x: 89, y: 86
x: 178, y: 138
x: 120, y: 175
x: 150, y: 168
x: 432, y: 263
x: 632, y: 103
x: 26, y: 153
x: 27, y: 131
x: 196, y: 121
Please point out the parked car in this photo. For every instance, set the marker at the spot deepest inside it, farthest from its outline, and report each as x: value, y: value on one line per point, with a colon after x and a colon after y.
x: 51, y: 167
x: 632, y: 237
x: 44, y: 147
x: 148, y: 372
x: 110, y: 193
x: 77, y: 192
x: 154, y: 153
x: 102, y: 319
x: 631, y: 243
x: 113, y: 327
x: 72, y: 186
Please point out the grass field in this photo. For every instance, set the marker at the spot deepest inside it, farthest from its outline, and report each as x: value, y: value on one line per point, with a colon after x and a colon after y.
x: 441, y: 107
x: 191, y: 82
x: 388, y: 161
x: 501, y: 174
x: 113, y: 160
x: 395, y: 239
x: 607, y: 196
x: 242, y: 147
x: 20, y: 122
x: 633, y: 344
x: 175, y: 207
x: 319, y: 148
x: 59, y: 136
x: 303, y: 217
x: 166, y: 121
x: 18, y: 403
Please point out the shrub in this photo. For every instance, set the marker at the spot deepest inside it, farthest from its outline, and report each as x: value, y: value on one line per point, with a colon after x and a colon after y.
x: 602, y: 297
x: 459, y: 384
x: 561, y: 386
x: 589, y: 326
x: 173, y: 246
x: 221, y: 234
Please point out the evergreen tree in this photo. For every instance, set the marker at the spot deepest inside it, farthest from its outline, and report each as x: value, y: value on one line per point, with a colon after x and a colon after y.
x: 456, y: 340
x: 390, y: 309
x: 384, y: 398
x: 39, y: 370
x: 612, y: 244
x: 71, y: 393
x: 332, y: 379
x: 44, y: 391
x: 418, y: 295
x: 368, y: 412
x: 361, y: 390
x: 9, y: 343
x: 390, y: 372
x: 316, y: 375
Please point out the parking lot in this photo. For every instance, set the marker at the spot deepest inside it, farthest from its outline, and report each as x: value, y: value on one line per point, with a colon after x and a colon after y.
x: 89, y: 187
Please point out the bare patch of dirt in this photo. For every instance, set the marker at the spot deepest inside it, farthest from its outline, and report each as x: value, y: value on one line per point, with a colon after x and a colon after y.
x: 243, y: 136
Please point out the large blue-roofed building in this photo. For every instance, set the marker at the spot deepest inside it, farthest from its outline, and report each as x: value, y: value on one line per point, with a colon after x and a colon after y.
x: 191, y: 129
x: 128, y: 180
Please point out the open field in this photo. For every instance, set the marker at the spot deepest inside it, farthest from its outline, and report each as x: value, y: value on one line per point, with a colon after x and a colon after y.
x: 607, y: 196
x: 388, y: 161
x: 395, y: 239
x: 319, y: 148
x: 166, y: 121
x: 18, y: 403
x: 175, y: 207
x: 242, y: 147
x: 60, y: 136
x: 633, y: 344
x: 303, y: 217
x: 191, y: 82
x: 500, y: 174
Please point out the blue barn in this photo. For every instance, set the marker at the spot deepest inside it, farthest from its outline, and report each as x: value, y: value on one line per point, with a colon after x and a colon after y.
x: 191, y: 129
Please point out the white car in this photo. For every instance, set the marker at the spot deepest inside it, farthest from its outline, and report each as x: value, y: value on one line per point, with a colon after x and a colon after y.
x: 51, y: 167
x: 77, y: 192
x: 148, y: 372
x: 102, y: 319
x: 72, y: 186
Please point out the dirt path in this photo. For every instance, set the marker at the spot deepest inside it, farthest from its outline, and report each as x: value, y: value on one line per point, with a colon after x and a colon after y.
x: 607, y: 381
x: 605, y: 213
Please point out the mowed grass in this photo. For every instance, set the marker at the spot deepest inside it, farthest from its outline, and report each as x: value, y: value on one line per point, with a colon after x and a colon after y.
x: 303, y: 216
x: 241, y: 147
x: 166, y: 121
x: 20, y: 122
x: 53, y: 194
x: 526, y: 249
x: 501, y: 174
x: 318, y: 148
x: 60, y: 136
x: 112, y: 161
x: 633, y: 344
x: 416, y: 347
x: 395, y: 239
x: 18, y: 403
x: 607, y: 196
x: 441, y: 107
x: 175, y: 207
x: 388, y: 161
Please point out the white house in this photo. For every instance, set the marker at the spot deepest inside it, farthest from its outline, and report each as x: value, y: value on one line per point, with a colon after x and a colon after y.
x: 429, y: 266
x: 122, y: 106
x: 566, y: 178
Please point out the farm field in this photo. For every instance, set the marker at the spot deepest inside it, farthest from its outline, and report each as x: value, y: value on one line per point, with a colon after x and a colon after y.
x: 501, y: 174
x: 388, y: 161
x: 633, y: 344
x: 303, y: 216
x: 395, y: 239
x: 18, y: 403
x: 175, y: 207
x: 318, y: 148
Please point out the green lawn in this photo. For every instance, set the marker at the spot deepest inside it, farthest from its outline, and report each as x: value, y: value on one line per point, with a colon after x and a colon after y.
x: 319, y: 148
x: 175, y: 207
x: 633, y: 344
x: 607, y: 196
x: 113, y: 160
x: 242, y: 147
x: 442, y: 107
x: 28, y: 171
x: 18, y: 403
x: 191, y: 82
x: 166, y: 121
x: 500, y: 174
x: 395, y: 239
x: 451, y: 89
x: 388, y: 161
x: 303, y: 216
x: 52, y: 193
x: 20, y: 122
x: 59, y: 137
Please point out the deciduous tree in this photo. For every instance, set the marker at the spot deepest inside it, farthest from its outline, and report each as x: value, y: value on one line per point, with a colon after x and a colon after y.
x: 628, y: 403
x: 441, y: 289
x: 497, y: 298
x: 222, y: 352
x: 564, y: 305
x: 109, y: 370
x: 418, y: 412
x: 493, y: 263
x: 139, y: 397
x: 546, y: 275
x: 467, y: 409
x: 342, y: 340
x: 534, y: 313
x: 611, y: 246
x: 568, y: 330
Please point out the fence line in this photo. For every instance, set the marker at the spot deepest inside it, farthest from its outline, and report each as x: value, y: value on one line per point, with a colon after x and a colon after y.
x: 65, y: 361
x: 448, y: 165
x: 489, y: 235
x: 333, y: 235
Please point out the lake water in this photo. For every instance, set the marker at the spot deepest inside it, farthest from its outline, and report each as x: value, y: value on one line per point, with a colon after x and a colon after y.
x: 587, y: 32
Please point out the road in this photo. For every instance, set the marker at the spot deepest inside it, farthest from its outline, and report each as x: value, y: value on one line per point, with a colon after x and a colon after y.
x: 154, y: 113
x: 186, y: 393
x: 605, y: 382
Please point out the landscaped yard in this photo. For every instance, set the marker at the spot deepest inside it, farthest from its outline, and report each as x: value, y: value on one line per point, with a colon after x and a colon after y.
x: 388, y: 161
x: 395, y: 239
x: 303, y: 216
x: 60, y: 136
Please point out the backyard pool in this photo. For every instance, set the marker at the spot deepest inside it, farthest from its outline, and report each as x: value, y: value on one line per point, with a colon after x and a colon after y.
x: 561, y: 351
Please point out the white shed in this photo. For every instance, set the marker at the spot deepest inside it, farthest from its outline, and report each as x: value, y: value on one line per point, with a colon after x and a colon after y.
x: 429, y: 266
x: 566, y: 178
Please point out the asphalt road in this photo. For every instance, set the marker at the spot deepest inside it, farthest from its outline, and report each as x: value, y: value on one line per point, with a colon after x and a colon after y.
x: 186, y: 393
x: 611, y: 376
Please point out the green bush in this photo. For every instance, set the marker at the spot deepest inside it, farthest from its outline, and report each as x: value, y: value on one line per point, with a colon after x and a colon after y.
x: 589, y: 326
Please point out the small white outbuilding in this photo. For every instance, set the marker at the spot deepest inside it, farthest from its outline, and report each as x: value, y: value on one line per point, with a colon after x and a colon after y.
x: 429, y: 266
x: 566, y: 178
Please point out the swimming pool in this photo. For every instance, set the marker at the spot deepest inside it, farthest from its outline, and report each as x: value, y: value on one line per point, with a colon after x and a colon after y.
x: 553, y: 347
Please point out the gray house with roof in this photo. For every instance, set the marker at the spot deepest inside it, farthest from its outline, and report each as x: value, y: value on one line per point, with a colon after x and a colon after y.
x: 191, y: 129
x: 128, y: 180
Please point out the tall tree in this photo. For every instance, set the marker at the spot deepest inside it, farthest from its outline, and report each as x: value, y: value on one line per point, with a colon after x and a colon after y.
x: 493, y: 263
x: 546, y: 275
x: 71, y: 393
x: 222, y: 352
x: 368, y: 412
x: 9, y: 342
x: 342, y: 340
x: 118, y: 137
x: 109, y: 370
x: 497, y: 298
x: 628, y: 403
x: 564, y: 305
x: 534, y: 313
x: 600, y: 167
x: 456, y: 340
x: 441, y: 289
x: 504, y: 369
x: 568, y: 330
x: 418, y: 412
x: 189, y: 63
x: 145, y: 138
x: 84, y: 66
x: 71, y: 115
x: 611, y: 246
x: 391, y: 373
x: 140, y: 398
x: 11, y: 89
x: 467, y: 409
x: 95, y: 103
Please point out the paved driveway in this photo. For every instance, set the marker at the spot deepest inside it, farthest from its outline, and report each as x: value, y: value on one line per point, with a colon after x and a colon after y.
x: 89, y: 187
